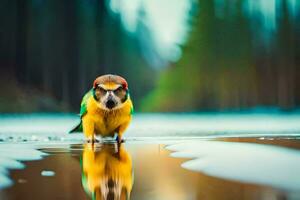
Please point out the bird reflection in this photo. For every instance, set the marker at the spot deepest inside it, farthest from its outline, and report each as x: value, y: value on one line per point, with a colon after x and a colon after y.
x: 107, y: 171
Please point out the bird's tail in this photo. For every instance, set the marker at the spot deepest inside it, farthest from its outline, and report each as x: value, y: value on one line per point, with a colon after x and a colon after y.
x: 77, y: 128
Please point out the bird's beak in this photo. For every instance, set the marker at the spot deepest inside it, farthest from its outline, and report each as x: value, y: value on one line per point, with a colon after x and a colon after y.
x: 110, y: 103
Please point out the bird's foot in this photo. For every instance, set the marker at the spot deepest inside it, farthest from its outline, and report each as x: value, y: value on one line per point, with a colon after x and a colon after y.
x: 92, y: 140
x: 120, y: 140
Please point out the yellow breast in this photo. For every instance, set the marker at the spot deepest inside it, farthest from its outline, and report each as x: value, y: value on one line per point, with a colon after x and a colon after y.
x: 106, y: 122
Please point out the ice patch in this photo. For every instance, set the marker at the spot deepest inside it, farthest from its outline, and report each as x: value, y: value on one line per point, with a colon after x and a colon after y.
x: 11, y: 156
x: 252, y: 163
x: 5, y: 181
x: 47, y: 173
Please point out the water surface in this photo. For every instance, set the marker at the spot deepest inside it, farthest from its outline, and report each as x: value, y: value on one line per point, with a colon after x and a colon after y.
x: 39, y: 160
x: 148, y: 173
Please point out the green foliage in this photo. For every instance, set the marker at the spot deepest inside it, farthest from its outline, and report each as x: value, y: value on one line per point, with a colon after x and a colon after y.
x: 218, y: 69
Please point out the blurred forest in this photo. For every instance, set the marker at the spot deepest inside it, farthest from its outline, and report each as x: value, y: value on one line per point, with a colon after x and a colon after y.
x: 236, y: 57
x: 52, y: 50
x: 238, y: 54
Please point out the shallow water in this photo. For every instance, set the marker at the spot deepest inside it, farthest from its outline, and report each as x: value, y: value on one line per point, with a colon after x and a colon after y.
x: 39, y: 160
x: 142, y: 170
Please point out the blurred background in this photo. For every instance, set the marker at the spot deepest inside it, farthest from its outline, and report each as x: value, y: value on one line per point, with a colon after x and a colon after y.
x: 191, y: 55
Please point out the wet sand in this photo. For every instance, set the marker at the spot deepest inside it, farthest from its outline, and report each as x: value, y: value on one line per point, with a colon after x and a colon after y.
x: 141, y: 170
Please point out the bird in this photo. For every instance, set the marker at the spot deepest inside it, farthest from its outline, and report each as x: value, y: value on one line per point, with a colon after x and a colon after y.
x: 106, y: 171
x: 106, y: 109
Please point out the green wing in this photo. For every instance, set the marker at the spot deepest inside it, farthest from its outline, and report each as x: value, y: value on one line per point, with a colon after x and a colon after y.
x: 131, y: 110
x: 84, y: 182
x: 83, y: 105
x: 83, y: 111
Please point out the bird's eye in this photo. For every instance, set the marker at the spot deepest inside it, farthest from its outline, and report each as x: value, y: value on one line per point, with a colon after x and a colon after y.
x: 119, y: 89
x: 101, y: 89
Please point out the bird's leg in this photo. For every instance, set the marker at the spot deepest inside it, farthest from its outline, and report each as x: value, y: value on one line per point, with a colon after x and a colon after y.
x: 117, y: 150
x: 98, y: 139
x: 121, y: 129
x: 92, y: 139
x: 88, y: 129
x: 119, y: 139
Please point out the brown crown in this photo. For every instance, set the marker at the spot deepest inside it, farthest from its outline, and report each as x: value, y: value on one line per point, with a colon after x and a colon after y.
x: 110, y: 78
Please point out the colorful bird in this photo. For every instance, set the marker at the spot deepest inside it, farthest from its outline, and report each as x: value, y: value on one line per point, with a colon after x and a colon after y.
x: 106, y: 109
x: 107, y: 171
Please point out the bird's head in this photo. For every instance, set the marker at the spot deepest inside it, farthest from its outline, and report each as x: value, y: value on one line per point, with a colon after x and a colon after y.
x: 110, y: 91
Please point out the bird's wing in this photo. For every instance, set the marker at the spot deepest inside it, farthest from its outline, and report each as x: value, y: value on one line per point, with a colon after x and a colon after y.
x: 84, y: 182
x: 131, y: 106
x: 83, y: 105
x: 131, y: 109
x: 83, y: 111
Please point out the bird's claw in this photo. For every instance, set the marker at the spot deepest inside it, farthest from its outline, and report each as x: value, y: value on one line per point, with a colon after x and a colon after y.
x: 92, y: 141
x: 120, y: 140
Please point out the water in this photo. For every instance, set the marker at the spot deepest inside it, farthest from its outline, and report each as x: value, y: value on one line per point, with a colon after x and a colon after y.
x: 164, y: 157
